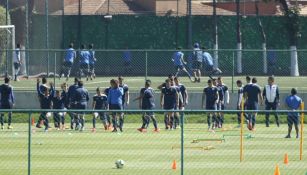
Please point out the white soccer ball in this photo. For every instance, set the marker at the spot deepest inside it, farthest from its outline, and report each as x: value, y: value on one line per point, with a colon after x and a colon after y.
x: 48, y: 114
x: 119, y: 164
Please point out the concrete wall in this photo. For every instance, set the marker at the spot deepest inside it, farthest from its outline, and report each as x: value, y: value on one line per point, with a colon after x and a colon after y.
x: 28, y: 100
x: 149, y: 5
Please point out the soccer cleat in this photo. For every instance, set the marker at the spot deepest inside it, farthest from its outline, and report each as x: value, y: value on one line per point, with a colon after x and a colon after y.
x: 105, y: 128
x: 2, y: 127
x: 288, y: 136
x: 140, y: 129
x: 38, y: 126
x: 114, y: 130
x: 156, y: 130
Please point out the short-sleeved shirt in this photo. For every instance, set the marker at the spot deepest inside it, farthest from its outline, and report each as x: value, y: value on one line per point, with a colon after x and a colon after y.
x: 6, y: 94
x: 101, y: 102
x: 81, y: 95
x: 177, y: 57
x: 148, y: 99
x: 211, y: 96
x: 293, y: 102
x: 106, y: 91
x: 115, y: 96
x: 125, y: 89
x: 169, y: 96
x: 16, y: 55
x: 70, y: 55
x: 198, y: 55
x: 222, y: 90
x: 182, y: 89
x: 58, y: 102
x: 84, y: 57
x: 252, y: 91
x: 207, y: 59
x: 92, y: 56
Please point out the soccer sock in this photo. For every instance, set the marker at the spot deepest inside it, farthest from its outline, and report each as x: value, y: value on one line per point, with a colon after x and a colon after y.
x: 176, y: 117
x: 63, y: 119
x: 171, y: 123
x: 209, y: 121
x: 166, y: 120
x: 71, y: 120
x: 121, y: 122
x: 154, y: 121
x: 46, y: 123
x: 144, y: 121
x: 82, y: 120
x: 114, y: 122
x: 253, y: 120
x: 94, y: 122
x: 222, y: 119
x: 277, y: 119
x: 267, y: 119
x: 2, y: 119
x: 214, y: 120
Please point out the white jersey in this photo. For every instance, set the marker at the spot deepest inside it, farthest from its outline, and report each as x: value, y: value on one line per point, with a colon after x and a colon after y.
x: 271, y: 93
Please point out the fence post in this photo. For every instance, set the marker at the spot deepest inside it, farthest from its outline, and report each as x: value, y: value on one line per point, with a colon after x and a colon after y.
x: 29, y: 144
x: 54, y: 73
x: 233, y: 71
x: 302, y: 131
x: 182, y: 142
x: 241, y: 131
x: 146, y: 65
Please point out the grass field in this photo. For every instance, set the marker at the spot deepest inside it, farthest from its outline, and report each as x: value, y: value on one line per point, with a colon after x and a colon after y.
x: 74, y: 153
x: 285, y: 83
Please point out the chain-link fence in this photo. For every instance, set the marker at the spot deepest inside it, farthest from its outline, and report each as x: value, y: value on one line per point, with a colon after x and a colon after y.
x: 189, y: 149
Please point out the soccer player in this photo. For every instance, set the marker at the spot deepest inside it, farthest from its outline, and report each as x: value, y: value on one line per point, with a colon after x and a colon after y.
x: 92, y: 61
x: 64, y: 95
x: 115, y: 101
x: 271, y: 96
x: 106, y: 92
x: 68, y: 62
x: 43, y: 87
x: 207, y: 58
x: 127, y: 61
x: 71, y: 98
x: 240, y: 106
x: 223, y: 100
x: 45, y: 103
x: 163, y: 85
x: 180, y: 63
x: 7, y: 101
x: 126, y: 99
x: 169, y: 100
x: 293, y: 103
x: 17, y: 61
x: 82, y: 99
x: 211, y: 96
x: 147, y: 102
x: 183, y: 99
x: 253, y: 95
x: 58, y: 102
x: 100, y: 102
x: 84, y: 62
x: 197, y: 62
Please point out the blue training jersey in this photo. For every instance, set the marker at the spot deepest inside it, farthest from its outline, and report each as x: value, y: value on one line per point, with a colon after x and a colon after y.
x: 92, y: 56
x: 84, y: 57
x: 115, y: 96
x: 81, y: 95
x: 70, y: 55
x: 127, y: 56
x: 177, y: 57
x: 207, y: 58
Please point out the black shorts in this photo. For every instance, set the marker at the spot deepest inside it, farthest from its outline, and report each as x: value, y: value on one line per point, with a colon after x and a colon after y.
x: 293, y: 119
x: 115, y: 107
x: 6, y: 105
x: 197, y: 65
x: 252, y: 106
x: 67, y: 64
x: 211, y: 106
x: 169, y: 106
x: 16, y: 65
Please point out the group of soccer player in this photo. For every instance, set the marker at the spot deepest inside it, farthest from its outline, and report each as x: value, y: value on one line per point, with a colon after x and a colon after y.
x: 86, y: 63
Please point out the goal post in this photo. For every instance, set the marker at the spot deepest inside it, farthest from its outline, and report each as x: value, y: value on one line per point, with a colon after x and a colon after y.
x: 7, y: 45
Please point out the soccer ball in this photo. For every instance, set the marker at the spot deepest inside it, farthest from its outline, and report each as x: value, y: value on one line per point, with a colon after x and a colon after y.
x: 119, y: 164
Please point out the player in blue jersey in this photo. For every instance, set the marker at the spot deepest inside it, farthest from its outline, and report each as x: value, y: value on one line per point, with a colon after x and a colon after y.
x: 106, y: 92
x: 147, y: 102
x: 7, y: 101
x: 197, y: 62
x: 58, y: 102
x: 100, y: 102
x: 223, y: 100
x: 45, y: 103
x: 252, y: 93
x: 293, y: 103
x: 209, y: 66
x: 115, y: 101
x: 183, y: 99
x: 81, y: 101
x: 17, y: 61
x: 84, y: 62
x: 180, y: 63
x: 126, y: 99
x: 71, y: 99
x: 211, y: 97
x: 68, y: 62
x: 92, y: 61
x: 169, y: 100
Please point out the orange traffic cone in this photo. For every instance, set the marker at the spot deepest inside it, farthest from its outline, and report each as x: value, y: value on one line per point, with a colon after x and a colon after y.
x: 286, y: 159
x: 277, y: 172
x: 32, y: 121
x: 174, y: 167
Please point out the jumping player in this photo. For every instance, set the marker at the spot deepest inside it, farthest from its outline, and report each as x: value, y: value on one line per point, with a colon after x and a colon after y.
x: 169, y: 100
x: 68, y: 62
x: 92, y: 61
x: 147, y: 102
x: 100, y: 102
x: 84, y: 62
x: 211, y: 96
x: 7, y: 101
x: 180, y: 63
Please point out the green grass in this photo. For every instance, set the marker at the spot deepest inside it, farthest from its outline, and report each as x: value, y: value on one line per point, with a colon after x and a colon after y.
x: 74, y: 153
x: 135, y: 83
